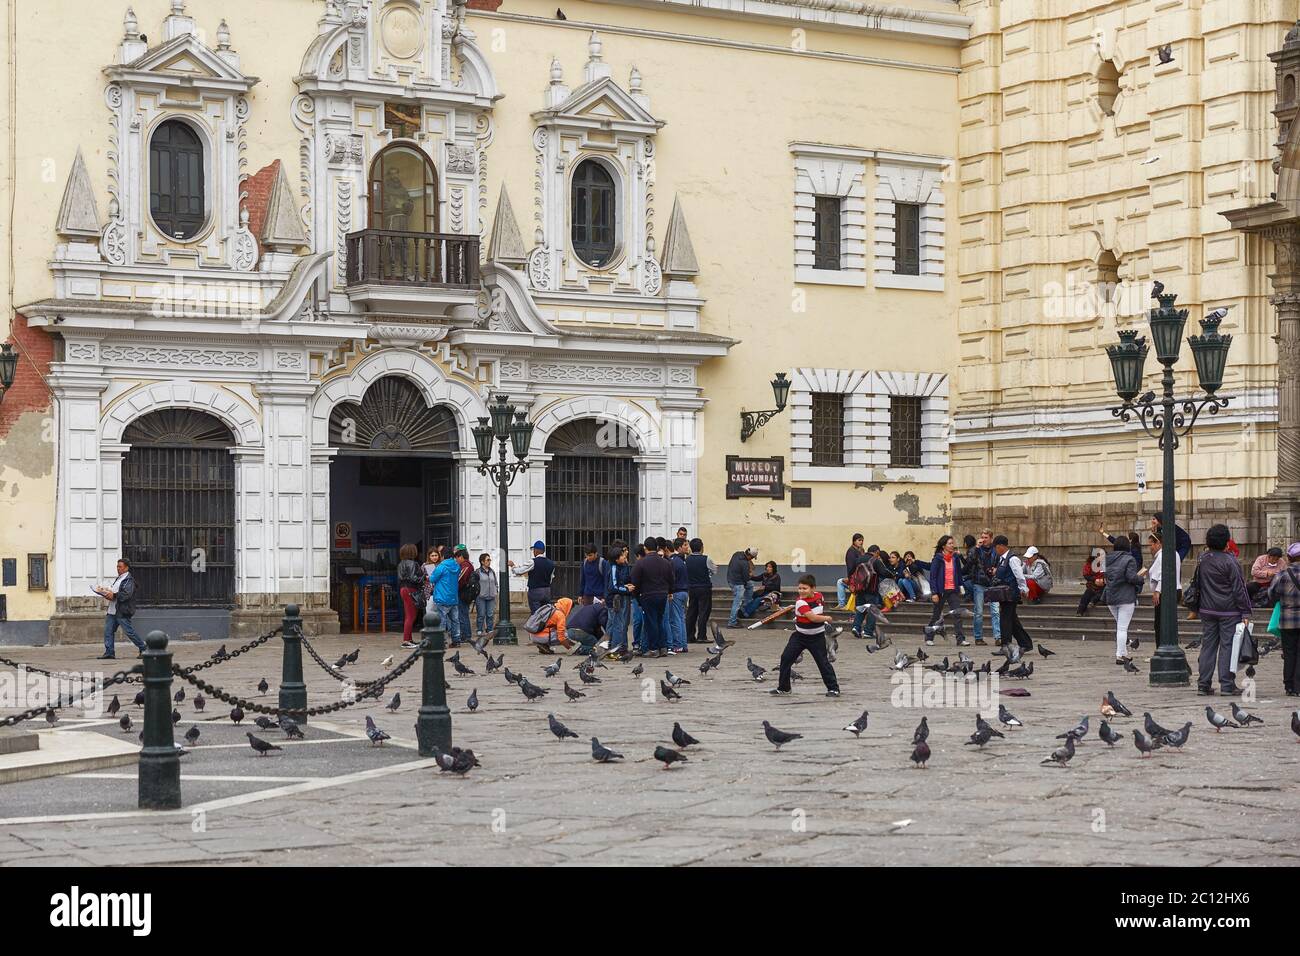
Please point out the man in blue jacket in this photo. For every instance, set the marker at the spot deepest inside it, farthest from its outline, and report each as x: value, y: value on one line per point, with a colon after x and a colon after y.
x: 445, y: 578
x: 592, y: 577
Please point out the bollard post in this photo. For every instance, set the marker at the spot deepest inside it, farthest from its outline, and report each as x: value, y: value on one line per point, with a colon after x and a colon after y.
x: 293, y: 691
x: 160, y: 765
x: 433, y: 726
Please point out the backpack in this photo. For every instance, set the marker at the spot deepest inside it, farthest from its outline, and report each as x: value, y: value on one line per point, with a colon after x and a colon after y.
x: 536, y: 622
x: 468, y: 590
x: 864, y: 577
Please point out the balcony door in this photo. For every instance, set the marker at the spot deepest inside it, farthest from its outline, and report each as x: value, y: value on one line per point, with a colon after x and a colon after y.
x: 403, y: 191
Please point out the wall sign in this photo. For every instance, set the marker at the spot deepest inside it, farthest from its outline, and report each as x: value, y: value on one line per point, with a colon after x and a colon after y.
x: 343, y: 536
x: 755, y: 477
x: 800, y: 497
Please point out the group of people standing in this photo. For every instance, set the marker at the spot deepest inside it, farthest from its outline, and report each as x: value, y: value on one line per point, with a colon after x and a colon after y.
x: 452, y: 585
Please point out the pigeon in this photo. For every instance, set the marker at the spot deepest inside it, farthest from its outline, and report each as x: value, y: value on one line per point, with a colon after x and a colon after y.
x: 639, y: 669
x: 192, y: 736
x: 179, y: 695
x: 1164, y: 53
x: 342, y: 661
x: 922, y: 732
x: 113, y: 707
x: 494, y: 665
x: 260, y: 745
x: 1042, y: 649
x: 1156, y: 288
x: 352, y: 658
x: 462, y: 670
x: 482, y: 643
x: 291, y: 729
x: 601, y: 753
x: 176, y: 716
x: 1131, y: 668
x: 512, y: 678
x: 1111, y: 737
x: 1006, y: 718
x: 1295, y: 724
x: 755, y: 671
x: 236, y: 715
x: 1177, y: 738
x: 221, y: 654
x: 667, y: 756
x: 472, y: 702
x: 833, y: 645
x: 139, y: 699
x: 1119, y: 708
x: 718, y: 640
x: 778, y: 737
x: 387, y: 662
x: 553, y: 669
x: 395, y: 703
x: 1154, y: 729
x: 981, y: 736
x: 901, y: 662
x: 674, y: 679
x: 1144, y: 745
x: 1024, y: 670
x: 668, y: 692
x: 265, y: 723
x: 709, y: 663
x: 376, y: 735
x: 1244, y: 718
x: 1061, y: 756
x: 457, y: 761
x: 921, y: 754
x: 532, y: 691
x: 559, y: 14
x: 681, y: 738
x: 453, y: 659
x: 559, y: 729
x: 262, y: 686
x: 858, y: 726
x: 199, y: 702
x: 587, y: 677
x: 125, y: 723
x: 921, y: 655
x: 982, y: 724
x: 1218, y: 721
x: 1077, y: 732
x: 572, y: 694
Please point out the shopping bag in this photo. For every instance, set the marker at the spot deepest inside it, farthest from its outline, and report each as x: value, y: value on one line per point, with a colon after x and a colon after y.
x: 1275, y: 622
x: 852, y: 604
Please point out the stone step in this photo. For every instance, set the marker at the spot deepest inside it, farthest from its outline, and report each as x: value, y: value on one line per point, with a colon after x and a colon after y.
x: 66, y: 751
x: 15, y: 741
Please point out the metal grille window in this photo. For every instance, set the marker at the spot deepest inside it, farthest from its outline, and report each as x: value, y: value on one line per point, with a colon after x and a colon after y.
x: 37, y: 576
x: 907, y: 239
x: 176, y: 181
x: 827, y: 429
x: 904, y: 432
x: 826, y: 232
x: 593, y: 213
x: 178, y: 510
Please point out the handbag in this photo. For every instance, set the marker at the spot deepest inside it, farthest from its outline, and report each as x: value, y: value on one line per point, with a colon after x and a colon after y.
x: 852, y: 603
x: 1192, y: 593
x: 1000, y: 594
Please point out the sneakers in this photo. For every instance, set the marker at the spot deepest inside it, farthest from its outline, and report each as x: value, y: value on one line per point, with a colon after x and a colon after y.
x: 778, y: 692
x: 929, y: 643
x: 963, y: 643
x: 981, y: 643
x: 832, y: 693
x: 409, y: 644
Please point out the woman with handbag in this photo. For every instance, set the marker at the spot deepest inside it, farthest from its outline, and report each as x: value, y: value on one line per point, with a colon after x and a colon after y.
x: 410, y: 582
x: 1285, y: 590
x: 1123, y: 576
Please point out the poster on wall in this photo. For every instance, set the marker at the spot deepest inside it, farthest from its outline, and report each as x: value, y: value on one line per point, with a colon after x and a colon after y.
x: 378, y: 550
x: 343, y: 536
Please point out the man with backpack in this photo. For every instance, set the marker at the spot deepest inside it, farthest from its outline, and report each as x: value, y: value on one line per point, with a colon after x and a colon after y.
x: 592, y: 576
x: 467, y: 590
x: 548, y: 626
x: 121, y: 608
x: 864, y: 584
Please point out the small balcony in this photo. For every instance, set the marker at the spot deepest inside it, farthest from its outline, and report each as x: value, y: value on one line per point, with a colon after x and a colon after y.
x: 393, y: 270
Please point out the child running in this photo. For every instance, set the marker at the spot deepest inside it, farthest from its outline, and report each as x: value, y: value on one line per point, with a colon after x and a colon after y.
x: 809, y: 635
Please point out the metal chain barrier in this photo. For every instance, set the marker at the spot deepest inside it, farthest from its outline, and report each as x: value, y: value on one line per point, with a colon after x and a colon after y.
x: 331, y: 670
x: 375, y: 689
x: 121, y: 677
x: 57, y: 675
x: 214, y: 661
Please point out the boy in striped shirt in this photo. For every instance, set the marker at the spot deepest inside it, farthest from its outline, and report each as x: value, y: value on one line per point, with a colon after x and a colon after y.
x: 809, y: 635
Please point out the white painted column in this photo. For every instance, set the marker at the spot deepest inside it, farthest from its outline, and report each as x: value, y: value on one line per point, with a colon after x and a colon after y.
x: 82, y: 495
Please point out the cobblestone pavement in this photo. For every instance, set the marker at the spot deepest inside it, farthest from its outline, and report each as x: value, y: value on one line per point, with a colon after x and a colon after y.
x: 1229, y: 798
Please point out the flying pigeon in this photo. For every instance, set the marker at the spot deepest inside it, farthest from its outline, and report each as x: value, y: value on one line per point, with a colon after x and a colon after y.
x: 559, y: 729
x: 395, y: 703
x: 601, y: 753
x: 1177, y: 738
x: 667, y: 756
x: 199, y: 702
x: 1006, y: 718
x: 921, y: 754
x: 1244, y: 718
x: 553, y: 669
x: 1119, y: 708
x: 472, y: 702
x: 922, y: 732
x: 291, y: 729
x: 1061, y: 756
x: 260, y: 745
x: 921, y: 655
x: 376, y: 735
x: 236, y: 715
x: 1154, y: 729
x: 113, y: 707
x: 265, y: 723
x: 858, y: 726
x: 262, y: 686
x: 778, y: 737
x: 125, y: 723
x: 1218, y: 721
x: 1111, y: 737
x: 531, y: 690
x: 681, y: 738
x: 481, y: 643
x: 572, y: 694
x: 668, y: 692
x: 639, y: 669
x: 1144, y: 745
x: 192, y: 736
x: 1042, y: 649
x: 718, y: 640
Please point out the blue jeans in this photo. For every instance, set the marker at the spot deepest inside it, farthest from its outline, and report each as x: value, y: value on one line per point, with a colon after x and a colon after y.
x: 450, y: 621
x: 652, y: 619
x: 675, y: 622
x: 111, y: 623
x: 537, y: 597
x: 618, y: 623
x: 864, y: 623
x: 486, y: 614
x: 908, y: 587
x: 978, y: 591
x: 638, y: 625
x: 740, y: 593
x: 462, y: 612
x: 752, y: 605
x: 842, y: 590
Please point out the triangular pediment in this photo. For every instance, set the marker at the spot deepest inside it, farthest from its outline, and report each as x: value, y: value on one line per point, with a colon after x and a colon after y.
x: 606, y: 100
x: 185, y: 55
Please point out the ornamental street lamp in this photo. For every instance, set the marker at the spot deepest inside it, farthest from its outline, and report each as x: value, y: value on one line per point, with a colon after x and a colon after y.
x: 502, y: 472
x: 8, y: 365
x: 751, y: 422
x: 1160, y: 420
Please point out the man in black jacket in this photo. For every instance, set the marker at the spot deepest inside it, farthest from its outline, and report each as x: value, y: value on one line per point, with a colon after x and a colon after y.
x: 699, y: 590
x: 121, y: 608
x: 739, y: 570
x: 652, y: 577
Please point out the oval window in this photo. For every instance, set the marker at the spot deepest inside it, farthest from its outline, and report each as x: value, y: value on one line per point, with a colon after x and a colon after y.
x: 176, y: 180
x: 593, y: 213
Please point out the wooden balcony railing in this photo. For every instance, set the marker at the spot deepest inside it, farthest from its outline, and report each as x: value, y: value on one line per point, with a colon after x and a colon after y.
x: 391, y: 257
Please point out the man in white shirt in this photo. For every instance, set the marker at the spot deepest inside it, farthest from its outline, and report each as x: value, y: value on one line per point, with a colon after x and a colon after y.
x: 121, y: 608
x: 1155, y: 573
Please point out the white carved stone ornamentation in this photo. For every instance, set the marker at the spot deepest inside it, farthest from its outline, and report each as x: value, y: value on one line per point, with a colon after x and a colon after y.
x: 653, y: 277
x: 81, y: 352
x: 579, y: 372
x: 406, y: 336
x: 511, y: 368
x: 78, y: 213
x: 539, y: 268
x: 245, y: 246
x: 179, y: 357
x: 460, y: 159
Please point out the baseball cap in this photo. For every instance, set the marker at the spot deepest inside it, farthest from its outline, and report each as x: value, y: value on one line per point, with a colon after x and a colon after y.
x: 539, y: 545
x: 1030, y: 551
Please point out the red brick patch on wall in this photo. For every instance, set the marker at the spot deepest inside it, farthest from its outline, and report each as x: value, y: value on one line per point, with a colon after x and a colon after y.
x: 483, y: 4
x: 29, y: 392
x: 258, y: 187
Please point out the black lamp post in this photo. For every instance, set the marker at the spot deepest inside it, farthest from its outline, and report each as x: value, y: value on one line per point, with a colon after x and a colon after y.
x: 502, y: 472
x: 8, y: 365
x: 1160, y: 420
x: 751, y: 422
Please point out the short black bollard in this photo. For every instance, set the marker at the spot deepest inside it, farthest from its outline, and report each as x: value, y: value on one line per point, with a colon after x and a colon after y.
x: 293, y: 692
x: 160, y: 764
x: 433, y: 726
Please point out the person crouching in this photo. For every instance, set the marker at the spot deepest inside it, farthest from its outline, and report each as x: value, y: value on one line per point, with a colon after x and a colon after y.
x: 555, y: 630
x: 809, y: 635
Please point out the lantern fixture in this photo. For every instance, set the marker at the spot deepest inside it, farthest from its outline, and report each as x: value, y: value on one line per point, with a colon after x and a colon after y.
x: 1127, y: 360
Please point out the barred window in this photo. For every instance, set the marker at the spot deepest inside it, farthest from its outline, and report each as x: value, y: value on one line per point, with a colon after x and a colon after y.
x: 904, y: 432
x: 907, y: 239
x: 37, y: 578
x: 826, y: 232
x: 827, y: 429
